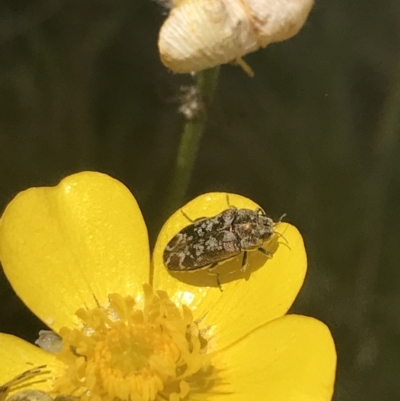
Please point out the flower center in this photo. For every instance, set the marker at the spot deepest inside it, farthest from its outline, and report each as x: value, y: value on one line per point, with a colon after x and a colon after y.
x: 133, y: 352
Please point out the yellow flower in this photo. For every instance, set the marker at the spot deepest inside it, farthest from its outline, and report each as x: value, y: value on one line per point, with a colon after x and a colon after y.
x: 77, y: 254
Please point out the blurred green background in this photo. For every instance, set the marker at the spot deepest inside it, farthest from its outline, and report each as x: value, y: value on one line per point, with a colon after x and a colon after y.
x: 313, y: 134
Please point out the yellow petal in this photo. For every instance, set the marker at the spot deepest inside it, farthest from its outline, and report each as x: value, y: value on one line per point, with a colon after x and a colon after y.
x: 18, y: 356
x: 291, y: 358
x: 71, y: 245
x: 264, y: 292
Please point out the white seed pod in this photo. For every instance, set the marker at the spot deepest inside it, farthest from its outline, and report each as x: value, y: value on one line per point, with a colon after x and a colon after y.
x: 200, y: 34
x: 49, y: 341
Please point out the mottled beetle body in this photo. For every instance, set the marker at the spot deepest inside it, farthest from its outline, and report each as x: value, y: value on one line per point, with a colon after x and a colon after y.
x: 209, y: 241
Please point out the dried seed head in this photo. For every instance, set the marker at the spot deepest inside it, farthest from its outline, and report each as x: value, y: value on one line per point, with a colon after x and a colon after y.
x: 200, y: 34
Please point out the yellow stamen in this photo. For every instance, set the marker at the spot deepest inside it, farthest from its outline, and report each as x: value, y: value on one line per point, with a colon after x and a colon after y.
x: 133, y: 351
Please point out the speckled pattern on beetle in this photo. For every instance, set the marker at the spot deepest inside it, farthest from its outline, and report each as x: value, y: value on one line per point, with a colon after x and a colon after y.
x: 208, y: 241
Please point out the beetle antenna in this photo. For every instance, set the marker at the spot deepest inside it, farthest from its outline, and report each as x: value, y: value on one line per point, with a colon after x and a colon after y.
x: 277, y: 223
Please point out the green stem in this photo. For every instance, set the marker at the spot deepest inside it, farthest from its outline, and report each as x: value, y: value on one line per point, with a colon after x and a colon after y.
x: 205, y: 83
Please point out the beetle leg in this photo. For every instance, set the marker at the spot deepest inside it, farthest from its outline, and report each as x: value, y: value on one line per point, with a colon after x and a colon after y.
x: 266, y: 253
x: 186, y: 216
x: 229, y: 203
x: 244, y: 262
x: 211, y: 273
x: 190, y: 219
x: 260, y: 211
x: 280, y: 219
